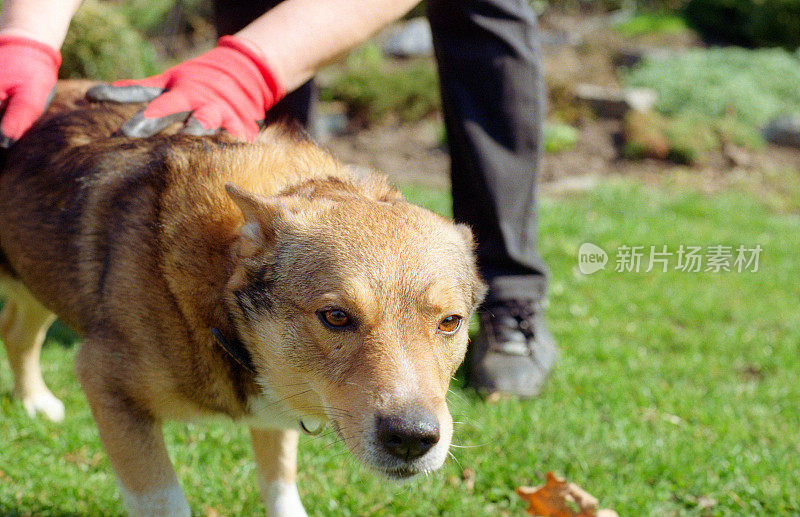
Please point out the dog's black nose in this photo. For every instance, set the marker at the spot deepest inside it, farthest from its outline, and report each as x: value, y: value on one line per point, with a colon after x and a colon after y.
x: 408, y: 435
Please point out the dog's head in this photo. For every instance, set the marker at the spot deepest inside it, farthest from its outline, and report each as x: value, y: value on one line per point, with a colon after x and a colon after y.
x: 354, y: 305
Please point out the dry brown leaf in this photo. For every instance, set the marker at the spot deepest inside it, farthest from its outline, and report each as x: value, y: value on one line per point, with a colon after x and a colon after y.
x: 466, y: 480
x: 605, y: 512
x: 557, y: 498
x: 468, y: 476
x: 211, y: 512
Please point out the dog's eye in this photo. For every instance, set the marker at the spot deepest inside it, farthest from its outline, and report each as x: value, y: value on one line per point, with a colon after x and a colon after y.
x: 450, y: 324
x: 335, y: 319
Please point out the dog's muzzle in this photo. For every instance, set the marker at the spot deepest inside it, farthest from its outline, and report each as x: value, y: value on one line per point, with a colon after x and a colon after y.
x: 408, y: 435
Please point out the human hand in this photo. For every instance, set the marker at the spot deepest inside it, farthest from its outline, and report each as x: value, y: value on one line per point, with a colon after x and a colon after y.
x: 230, y: 87
x: 28, y: 73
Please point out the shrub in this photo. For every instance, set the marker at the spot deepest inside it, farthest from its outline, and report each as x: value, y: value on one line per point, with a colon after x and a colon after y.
x: 749, y: 23
x: 648, y: 23
x: 372, y: 88
x: 152, y: 17
x: 645, y: 136
x: 685, y: 138
x: 690, y: 137
x: 102, y: 45
x: 559, y: 137
x: 750, y: 85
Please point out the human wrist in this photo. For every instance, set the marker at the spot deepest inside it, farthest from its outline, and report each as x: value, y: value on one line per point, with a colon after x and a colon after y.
x: 15, y: 38
x: 256, y: 58
x: 46, y: 21
x: 30, y: 35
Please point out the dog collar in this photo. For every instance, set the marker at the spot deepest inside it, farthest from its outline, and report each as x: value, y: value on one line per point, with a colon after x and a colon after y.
x: 235, y: 349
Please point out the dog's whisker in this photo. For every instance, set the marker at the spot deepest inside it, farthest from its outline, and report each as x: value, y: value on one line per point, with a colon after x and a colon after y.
x: 289, y: 385
x: 450, y: 453
x: 289, y: 397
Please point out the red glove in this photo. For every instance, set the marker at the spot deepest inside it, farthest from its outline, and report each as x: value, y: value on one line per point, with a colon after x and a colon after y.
x: 28, y: 73
x: 229, y: 87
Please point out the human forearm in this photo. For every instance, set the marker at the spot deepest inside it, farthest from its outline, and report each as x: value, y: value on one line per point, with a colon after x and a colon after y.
x: 297, y: 36
x: 45, y: 21
x: 232, y: 86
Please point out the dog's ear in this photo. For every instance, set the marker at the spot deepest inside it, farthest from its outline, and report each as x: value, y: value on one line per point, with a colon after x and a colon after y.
x: 479, y: 287
x: 251, y: 205
x: 465, y: 233
x: 262, y: 216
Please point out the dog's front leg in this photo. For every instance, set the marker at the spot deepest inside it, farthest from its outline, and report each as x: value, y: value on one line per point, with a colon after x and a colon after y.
x: 275, y: 452
x: 135, y: 445
x: 134, y: 442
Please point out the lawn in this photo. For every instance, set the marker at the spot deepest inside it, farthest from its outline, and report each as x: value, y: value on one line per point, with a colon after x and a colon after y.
x: 676, y: 393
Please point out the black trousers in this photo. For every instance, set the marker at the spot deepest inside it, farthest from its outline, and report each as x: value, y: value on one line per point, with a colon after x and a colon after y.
x: 493, y: 101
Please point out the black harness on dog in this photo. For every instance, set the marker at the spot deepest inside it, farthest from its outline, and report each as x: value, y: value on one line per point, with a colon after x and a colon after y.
x: 235, y: 349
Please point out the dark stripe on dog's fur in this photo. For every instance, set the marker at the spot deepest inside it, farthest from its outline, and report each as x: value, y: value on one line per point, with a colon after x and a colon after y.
x: 256, y: 295
x: 5, y: 266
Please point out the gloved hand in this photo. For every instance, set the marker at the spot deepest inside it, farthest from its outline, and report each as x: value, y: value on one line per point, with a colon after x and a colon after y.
x: 230, y: 87
x: 28, y: 73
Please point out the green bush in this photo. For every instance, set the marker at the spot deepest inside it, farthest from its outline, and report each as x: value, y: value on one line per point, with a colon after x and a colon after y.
x: 685, y: 138
x: 611, y: 5
x: 102, y: 45
x: 648, y: 23
x: 690, y: 138
x: 373, y: 88
x: 750, y: 85
x: 146, y: 16
x: 559, y: 137
x: 749, y: 23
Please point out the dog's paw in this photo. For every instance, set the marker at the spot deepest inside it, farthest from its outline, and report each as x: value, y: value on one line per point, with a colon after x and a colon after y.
x: 282, y: 500
x: 45, y: 403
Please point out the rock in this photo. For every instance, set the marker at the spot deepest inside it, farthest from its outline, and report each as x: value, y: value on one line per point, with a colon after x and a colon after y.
x: 783, y: 130
x: 329, y: 120
x: 615, y: 103
x: 559, y: 38
x: 736, y: 156
x: 330, y: 124
x: 640, y: 99
x: 411, y: 39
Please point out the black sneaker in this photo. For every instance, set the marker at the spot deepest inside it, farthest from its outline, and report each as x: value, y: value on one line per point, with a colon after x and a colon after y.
x: 514, y: 351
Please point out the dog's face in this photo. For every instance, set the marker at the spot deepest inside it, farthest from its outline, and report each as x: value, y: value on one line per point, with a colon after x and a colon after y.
x: 356, y: 312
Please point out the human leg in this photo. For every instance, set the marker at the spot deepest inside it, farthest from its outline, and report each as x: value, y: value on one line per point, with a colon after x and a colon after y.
x: 493, y: 100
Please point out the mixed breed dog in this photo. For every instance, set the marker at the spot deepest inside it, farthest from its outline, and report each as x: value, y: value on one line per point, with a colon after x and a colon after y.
x: 206, y: 276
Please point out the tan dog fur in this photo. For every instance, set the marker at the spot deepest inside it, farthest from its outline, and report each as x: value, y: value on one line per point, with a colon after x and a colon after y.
x: 139, y: 246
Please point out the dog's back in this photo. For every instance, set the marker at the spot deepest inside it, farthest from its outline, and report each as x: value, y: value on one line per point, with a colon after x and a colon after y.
x: 74, y: 197
x: 44, y: 195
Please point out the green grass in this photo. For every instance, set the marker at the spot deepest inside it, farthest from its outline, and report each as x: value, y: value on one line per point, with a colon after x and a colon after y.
x: 651, y: 23
x: 671, y: 387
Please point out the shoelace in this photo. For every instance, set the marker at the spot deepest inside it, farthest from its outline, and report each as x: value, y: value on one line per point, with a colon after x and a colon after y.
x: 523, y: 313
